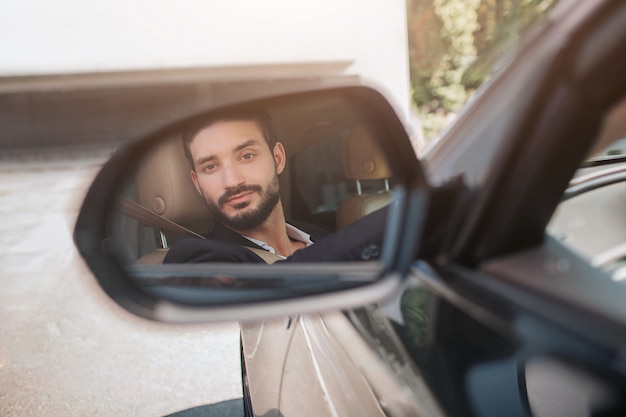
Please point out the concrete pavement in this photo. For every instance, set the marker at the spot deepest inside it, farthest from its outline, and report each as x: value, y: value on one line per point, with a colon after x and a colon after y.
x: 65, y: 348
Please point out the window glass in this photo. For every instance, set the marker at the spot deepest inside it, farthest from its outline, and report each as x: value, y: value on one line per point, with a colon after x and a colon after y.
x: 319, y: 178
x: 591, y: 219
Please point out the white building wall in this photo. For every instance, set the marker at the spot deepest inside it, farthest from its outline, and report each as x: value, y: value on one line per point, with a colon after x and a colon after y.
x: 44, y: 37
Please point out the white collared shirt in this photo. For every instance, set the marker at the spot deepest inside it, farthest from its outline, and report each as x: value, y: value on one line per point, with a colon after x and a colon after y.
x: 294, y: 234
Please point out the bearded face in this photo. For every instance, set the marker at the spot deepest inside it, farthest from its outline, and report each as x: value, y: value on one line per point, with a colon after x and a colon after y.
x: 236, y: 172
x: 247, y: 216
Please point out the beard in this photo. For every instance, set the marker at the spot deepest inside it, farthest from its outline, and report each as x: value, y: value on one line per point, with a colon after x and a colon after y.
x: 247, y: 219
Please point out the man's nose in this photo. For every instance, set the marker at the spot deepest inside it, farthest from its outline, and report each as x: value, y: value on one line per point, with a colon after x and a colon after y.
x: 232, y: 176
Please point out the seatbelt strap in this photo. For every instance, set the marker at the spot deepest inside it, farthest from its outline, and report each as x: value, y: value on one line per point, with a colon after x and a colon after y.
x: 139, y: 212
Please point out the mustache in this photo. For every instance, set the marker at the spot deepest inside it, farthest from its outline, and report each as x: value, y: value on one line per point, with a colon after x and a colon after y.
x: 238, y: 190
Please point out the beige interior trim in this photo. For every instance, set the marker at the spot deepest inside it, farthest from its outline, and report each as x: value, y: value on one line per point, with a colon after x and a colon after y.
x: 265, y: 255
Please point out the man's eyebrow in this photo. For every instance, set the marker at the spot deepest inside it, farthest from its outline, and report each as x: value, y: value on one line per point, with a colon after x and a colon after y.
x: 250, y: 142
x: 205, y: 159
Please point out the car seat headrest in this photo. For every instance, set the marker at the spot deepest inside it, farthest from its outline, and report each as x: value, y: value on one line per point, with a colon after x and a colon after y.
x: 164, y: 186
x: 362, y: 157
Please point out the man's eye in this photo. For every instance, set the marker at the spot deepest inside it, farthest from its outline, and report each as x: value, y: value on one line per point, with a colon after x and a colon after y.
x: 248, y: 155
x: 209, y: 167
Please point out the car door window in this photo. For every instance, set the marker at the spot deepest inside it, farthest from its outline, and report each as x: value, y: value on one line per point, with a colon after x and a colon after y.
x: 591, y: 218
x: 319, y: 182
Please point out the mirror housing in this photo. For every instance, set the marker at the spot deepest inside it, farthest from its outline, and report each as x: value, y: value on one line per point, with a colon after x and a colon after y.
x: 323, y: 276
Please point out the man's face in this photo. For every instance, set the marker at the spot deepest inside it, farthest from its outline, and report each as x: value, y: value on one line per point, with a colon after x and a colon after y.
x: 236, y: 172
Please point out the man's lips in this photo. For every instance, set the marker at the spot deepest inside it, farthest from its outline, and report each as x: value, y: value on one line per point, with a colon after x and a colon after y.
x: 238, y: 195
x: 239, y: 198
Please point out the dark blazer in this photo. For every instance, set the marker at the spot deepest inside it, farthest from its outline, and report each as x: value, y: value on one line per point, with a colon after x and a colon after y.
x: 358, y: 241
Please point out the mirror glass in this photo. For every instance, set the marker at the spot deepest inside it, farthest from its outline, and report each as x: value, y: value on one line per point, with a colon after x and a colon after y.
x: 301, y: 182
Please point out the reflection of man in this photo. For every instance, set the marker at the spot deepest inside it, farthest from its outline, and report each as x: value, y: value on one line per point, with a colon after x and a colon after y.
x: 235, y: 163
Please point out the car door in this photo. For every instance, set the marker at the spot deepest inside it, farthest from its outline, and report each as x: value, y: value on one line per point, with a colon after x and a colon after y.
x: 320, y: 376
x: 265, y: 345
x: 510, y: 320
x: 499, y: 317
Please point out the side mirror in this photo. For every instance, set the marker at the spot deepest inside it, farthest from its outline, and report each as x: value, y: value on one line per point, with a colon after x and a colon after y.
x: 346, y: 155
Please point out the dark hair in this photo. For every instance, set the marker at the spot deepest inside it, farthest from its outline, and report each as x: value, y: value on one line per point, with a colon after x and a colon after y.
x: 253, y: 114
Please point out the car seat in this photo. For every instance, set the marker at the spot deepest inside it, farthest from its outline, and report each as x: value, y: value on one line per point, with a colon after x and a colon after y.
x: 164, y: 186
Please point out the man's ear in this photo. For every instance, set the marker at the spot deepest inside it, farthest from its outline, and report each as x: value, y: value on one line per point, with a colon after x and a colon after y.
x: 280, y: 157
x: 194, y: 179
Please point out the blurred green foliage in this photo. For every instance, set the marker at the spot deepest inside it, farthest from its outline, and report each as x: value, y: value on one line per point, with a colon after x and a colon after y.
x: 454, y: 46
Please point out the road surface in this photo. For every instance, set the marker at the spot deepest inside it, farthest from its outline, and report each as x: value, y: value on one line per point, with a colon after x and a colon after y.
x: 65, y: 348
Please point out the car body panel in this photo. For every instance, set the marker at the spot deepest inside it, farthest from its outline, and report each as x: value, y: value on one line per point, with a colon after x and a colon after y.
x: 265, y: 347
x: 331, y: 369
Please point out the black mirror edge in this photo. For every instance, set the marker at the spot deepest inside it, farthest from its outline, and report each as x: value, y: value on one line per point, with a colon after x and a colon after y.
x: 90, y: 229
x: 168, y: 312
